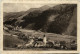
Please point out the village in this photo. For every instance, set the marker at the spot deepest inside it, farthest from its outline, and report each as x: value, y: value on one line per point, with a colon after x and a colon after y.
x: 34, y: 39
x: 44, y: 42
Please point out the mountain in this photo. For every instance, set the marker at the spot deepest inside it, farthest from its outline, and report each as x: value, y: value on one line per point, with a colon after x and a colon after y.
x: 60, y: 19
x: 72, y: 28
x: 17, y: 16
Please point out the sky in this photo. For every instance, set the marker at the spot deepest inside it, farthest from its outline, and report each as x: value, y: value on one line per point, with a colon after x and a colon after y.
x: 17, y: 7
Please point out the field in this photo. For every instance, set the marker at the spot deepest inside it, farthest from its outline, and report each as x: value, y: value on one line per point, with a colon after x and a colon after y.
x: 51, y: 36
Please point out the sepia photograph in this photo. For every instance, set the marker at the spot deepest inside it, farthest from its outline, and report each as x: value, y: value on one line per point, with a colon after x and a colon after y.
x: 39, y: 27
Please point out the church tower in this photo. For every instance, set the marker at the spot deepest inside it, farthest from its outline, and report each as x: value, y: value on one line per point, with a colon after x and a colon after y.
x: 44, y: 39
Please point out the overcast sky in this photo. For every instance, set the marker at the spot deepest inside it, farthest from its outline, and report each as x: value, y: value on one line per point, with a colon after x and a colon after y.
x: 17, y: 7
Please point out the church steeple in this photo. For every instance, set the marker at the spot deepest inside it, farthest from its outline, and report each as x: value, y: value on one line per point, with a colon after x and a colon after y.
x: 44, y: 39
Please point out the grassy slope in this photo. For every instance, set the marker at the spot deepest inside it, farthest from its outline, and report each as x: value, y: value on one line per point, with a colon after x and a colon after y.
x: 10, y: 41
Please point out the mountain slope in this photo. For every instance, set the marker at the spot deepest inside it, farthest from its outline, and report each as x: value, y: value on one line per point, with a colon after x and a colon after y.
x: 72, y: 28
x: 60, y: 19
